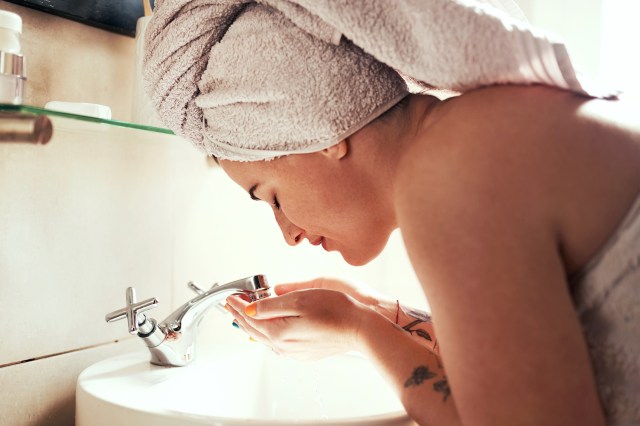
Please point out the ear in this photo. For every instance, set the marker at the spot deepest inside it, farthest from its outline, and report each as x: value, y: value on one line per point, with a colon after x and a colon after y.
x: 337, y: 151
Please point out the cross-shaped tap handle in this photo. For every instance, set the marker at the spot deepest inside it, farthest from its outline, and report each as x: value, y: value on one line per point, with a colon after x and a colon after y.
x: 196, y: 288
x: 131, y: 311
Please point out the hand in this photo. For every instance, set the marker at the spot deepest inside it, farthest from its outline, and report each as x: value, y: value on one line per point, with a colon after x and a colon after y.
x: 414, y: 321
x: 363, y: 294
x: 310, y: 323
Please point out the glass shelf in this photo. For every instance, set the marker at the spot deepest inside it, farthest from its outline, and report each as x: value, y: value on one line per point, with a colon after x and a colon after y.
x: 26, y: 109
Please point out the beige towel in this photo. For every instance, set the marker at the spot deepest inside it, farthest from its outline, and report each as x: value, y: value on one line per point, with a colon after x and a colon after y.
x: 607, y: 296
x: 249, y: 81
x: 450, y: 44
x: 242, y: 82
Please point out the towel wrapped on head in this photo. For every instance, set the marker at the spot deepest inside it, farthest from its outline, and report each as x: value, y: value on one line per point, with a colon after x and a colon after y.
x: 242, y: 82
x: 248, y: 81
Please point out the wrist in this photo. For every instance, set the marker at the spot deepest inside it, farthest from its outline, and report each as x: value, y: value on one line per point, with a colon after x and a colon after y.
x: 388, y: 308
x: 370, y: 324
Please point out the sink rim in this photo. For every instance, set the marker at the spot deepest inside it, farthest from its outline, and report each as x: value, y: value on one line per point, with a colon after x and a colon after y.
x: 138, y: 362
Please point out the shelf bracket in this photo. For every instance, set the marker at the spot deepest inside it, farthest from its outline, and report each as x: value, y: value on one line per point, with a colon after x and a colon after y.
x: 25, y: 128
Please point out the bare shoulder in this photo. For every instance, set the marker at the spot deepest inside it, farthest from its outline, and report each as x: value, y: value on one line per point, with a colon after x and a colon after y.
x: 477, y: 158
x: 486, y: 199
x: 536, y: 156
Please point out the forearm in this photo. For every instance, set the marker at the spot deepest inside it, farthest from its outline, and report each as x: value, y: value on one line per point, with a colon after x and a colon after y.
x: 415, y: 322
x: 416, y: 374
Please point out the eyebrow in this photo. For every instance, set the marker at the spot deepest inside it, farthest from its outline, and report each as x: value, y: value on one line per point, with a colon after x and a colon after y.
x: 252, y: 193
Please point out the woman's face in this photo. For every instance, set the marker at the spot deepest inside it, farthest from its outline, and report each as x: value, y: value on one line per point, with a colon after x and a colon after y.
x: 321, y: 197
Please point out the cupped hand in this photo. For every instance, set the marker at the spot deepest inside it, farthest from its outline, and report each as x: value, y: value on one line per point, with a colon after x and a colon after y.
x: 363, y: 294
x: 305, y: 323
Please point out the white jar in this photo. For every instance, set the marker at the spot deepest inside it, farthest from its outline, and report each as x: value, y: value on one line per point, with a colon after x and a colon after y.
x: 10, y: 31
x: 12, y: 64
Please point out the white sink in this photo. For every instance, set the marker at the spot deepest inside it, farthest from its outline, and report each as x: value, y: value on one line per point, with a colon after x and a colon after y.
x: 244, y: 384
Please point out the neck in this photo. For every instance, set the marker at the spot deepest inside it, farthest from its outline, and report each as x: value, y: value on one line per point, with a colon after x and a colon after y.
x: 382, y: 144
x: 404, y: 130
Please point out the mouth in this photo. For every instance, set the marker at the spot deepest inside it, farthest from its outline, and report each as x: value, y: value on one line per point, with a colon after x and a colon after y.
x: 320, y: 242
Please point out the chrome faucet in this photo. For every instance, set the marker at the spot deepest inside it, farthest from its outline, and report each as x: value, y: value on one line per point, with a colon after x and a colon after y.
x: 172, y: 342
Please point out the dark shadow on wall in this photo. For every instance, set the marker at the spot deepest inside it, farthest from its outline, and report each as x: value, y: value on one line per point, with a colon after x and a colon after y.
x: 119, y: 16
x: 62, y: 413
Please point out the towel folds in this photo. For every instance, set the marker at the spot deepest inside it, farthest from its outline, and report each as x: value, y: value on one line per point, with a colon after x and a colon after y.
x: 248, y: 81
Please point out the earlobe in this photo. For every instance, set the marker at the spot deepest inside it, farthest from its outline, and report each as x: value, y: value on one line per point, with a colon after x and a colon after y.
x: 338, y: 151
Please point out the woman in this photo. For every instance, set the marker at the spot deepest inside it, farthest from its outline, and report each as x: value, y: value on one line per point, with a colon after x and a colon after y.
x: 497, y: 206
x: 518, y: 205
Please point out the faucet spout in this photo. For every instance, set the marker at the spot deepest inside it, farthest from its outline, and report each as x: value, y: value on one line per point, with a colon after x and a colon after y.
x: 191, y: 313
x: 172, y: 342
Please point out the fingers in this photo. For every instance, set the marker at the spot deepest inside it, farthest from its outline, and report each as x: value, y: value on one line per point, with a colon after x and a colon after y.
x: 307, y: 323
x: 270, y: 310
x: 235, y: 307
x: 293, y: 304
x: 274, y: 307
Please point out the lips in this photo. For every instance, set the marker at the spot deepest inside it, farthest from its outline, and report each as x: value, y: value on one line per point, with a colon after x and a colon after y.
x: 319, y: 241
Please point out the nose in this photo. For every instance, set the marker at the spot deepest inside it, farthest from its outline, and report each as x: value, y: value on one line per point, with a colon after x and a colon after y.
x: 291, y: 233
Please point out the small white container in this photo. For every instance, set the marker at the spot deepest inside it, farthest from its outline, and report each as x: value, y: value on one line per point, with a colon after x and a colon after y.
x: 80, y: 108
x: 10, y: 31
x: 12, y: 62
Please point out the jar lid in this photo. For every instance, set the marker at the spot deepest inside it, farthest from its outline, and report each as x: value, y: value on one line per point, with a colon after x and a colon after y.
x: 11, y: 21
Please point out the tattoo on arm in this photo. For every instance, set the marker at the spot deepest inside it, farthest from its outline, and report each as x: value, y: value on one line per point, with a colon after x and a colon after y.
x: 420, y: 317
x: 421, y: 374
x: 420, y: 332
x: 443, y: 387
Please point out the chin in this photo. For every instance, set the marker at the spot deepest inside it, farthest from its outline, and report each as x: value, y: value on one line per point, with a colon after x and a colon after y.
x: 359, y: 253
x: 359, y: 259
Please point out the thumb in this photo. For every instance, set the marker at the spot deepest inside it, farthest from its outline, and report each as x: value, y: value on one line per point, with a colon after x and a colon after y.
x: 285, y: 288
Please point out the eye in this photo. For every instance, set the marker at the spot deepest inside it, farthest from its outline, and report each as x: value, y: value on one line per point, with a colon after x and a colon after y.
x: 276, y: 203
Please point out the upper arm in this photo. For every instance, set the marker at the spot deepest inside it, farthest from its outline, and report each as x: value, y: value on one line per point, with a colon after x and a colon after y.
x: 483, y: 243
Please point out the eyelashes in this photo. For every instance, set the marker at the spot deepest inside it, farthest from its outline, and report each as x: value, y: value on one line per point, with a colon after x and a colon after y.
x: 252, y: 194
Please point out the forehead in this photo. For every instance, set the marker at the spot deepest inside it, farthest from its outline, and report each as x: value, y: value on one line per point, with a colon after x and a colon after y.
x: 251, y: 172
x: 288, y: 170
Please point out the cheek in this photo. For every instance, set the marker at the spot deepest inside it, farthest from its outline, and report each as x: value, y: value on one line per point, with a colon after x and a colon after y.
x: 314, y: 207
x: 359, y: 237
x: 342, y: 213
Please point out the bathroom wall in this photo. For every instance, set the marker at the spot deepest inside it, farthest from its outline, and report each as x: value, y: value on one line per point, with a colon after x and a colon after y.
x: 578, y: 22
x: 79, y: 222
x: 101, y: 208
x: 598, y: 34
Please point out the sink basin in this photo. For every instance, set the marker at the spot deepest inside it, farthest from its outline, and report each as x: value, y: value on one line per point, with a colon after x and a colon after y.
x: 236, y: 384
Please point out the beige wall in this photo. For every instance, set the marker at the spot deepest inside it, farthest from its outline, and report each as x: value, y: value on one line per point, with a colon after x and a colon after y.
x: 69, y: 61
x: 101, y: 208
x: 79, y: 222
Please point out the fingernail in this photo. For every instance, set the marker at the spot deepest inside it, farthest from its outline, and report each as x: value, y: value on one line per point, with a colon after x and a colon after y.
x: 250, y: 310
x: 235, y: 324
x: 226, y: 306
